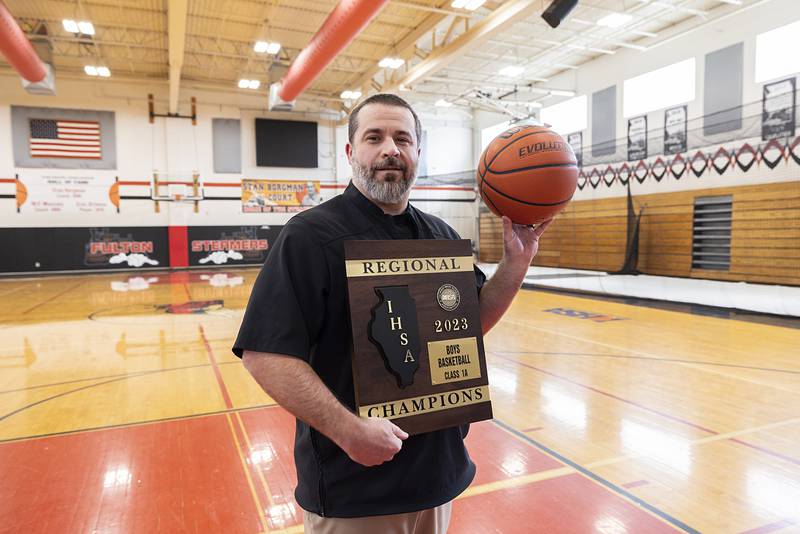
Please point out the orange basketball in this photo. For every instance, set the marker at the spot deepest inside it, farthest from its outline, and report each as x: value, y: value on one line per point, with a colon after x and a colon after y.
x: 527, y: 173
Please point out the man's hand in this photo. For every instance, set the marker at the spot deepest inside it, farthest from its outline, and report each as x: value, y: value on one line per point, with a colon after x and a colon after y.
x: 520, y: 242
x: 372, y: 441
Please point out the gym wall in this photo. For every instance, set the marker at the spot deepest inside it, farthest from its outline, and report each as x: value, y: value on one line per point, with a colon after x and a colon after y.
x: 146, y: 234
x: 761, y: 176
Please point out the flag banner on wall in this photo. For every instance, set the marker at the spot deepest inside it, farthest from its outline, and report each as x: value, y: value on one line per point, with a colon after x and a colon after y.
x: 675, y: 130
x: 63, y: 138
x: 67, y: 194
x: 637, y: 138
x: 279, y: 196
x: 575, y: 140
x: 238, y: 245
x: 778, y: 110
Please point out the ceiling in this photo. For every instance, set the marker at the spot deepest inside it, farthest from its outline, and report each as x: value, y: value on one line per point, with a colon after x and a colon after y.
x: 451, y: 54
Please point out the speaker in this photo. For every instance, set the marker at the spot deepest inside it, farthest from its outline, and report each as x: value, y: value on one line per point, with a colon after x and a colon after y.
x: 558, y: 11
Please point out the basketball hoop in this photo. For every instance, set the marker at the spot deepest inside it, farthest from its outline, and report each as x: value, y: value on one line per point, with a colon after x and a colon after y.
x: 176, y: 187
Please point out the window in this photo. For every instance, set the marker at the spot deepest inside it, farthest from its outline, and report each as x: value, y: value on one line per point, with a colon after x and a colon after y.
x: 567, y: 117
x: 776, y: 52
x: 659, y: 89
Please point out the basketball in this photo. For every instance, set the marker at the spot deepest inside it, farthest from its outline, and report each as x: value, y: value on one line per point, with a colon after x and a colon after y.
x: 527, y: 173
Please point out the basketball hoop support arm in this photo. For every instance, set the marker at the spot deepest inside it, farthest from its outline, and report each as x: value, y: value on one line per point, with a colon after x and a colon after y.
x: 168, y: 115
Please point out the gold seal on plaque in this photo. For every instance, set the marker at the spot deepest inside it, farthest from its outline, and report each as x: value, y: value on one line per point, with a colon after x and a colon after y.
x: 448, y: 297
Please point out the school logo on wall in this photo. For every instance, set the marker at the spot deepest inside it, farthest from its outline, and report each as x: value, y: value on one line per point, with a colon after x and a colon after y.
x: 107, y: 248
x: 214, y: 245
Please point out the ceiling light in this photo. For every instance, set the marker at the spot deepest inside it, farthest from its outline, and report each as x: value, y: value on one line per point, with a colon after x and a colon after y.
x: 511, y: 71
x: 104, y: 72
x: 560, y: 92
x: 266, y: 47
x: 471, y: 5
x: 391, y: 62
x: 90, y: 70
x: 350, y: 95
x: 245, y: 83
x: 86, y: 28
x: 442, y: 103
x: 70, y: 25
x: 615, y: 20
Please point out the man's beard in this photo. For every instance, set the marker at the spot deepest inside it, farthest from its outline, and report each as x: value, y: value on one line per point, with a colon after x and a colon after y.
x: 385, y: 192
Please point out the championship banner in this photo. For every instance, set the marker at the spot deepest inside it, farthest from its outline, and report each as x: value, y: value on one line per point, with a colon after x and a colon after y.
x: 67, y: 194
x: 778, y: 110
x: 230, y: 245
x: 418, y: 356
x: 279, y: 196
x: 575, y: 140
x: 637, y: 138
x: 675, y: 130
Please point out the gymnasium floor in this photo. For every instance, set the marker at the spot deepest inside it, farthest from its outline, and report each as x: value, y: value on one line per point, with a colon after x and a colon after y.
x: 123, y: 410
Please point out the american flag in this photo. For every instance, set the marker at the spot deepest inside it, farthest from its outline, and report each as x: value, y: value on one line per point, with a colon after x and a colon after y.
x: 65, y: 139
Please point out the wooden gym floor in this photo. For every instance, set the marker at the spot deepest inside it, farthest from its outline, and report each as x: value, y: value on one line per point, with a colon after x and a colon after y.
x: 122, y: 409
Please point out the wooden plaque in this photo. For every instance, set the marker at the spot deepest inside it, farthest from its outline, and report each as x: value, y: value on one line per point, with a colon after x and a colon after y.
x: 418, y: 356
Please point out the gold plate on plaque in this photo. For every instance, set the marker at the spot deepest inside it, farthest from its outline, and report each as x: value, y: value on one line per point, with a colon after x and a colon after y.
x: 453, y: 360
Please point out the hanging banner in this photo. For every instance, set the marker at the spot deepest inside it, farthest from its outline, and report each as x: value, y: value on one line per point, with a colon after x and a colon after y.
x: 279, y: 196
x: 575, y: 140
x: 778, y: 110
x: 637, y: 138
x: 675, y: 130
x: 67, y: 194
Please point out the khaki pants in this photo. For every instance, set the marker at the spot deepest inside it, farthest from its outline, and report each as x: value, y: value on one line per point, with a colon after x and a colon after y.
x: 431, y: 521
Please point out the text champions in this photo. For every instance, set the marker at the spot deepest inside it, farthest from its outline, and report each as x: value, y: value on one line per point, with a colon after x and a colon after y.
x: 427, y: 403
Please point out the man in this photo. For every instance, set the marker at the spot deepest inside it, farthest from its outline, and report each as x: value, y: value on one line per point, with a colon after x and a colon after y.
x: 360, y: 474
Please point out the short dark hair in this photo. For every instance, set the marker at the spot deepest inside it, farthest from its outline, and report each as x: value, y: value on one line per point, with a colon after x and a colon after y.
x: 386, y: 99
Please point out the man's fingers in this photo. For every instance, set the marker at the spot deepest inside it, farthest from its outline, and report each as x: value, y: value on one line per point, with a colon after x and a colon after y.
x: 399, y: 432
x: 542, y: 227
x: 508, y: 230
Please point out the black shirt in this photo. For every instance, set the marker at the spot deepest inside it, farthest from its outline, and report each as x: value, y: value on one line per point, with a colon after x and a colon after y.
x: 298, y: 307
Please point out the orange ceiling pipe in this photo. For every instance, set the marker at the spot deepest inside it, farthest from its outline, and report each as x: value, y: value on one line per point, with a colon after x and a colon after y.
x: 17, y: 49
x: 346, y: 20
